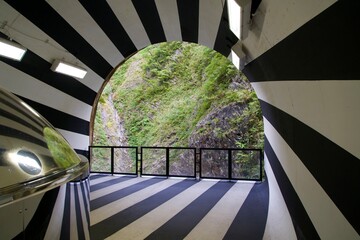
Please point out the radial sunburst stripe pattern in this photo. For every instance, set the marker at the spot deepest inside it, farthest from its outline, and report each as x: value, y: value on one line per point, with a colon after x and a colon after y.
x: 159, y: 208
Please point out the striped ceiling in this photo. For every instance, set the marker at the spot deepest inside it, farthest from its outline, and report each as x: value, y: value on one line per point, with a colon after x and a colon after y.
x: 97, y: 36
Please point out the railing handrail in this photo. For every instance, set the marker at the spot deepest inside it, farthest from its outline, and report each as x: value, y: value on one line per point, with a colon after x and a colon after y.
x: 197, y: 160
x: 214, y: 148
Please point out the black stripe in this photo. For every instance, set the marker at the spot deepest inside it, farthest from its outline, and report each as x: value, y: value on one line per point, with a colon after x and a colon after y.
x: 21, y: 121
x: 121, y: 219
x: 225, y: 38
x: 189, y: 19
x: 38, y: 68
x: 86, y: 201
x: 15, y: 105
x: 2, y: 156
x: 96, y: 176
x: 49, y: 21
x: 309, y: 52
x: 65, y: 227
x: 108, y: 183
x: 14, y: 133
x: 150, y: 19
x: 60, y: 119
x: 182, y: 223
x: 101, y: 12
x: 79, y: 221
x: 302, y: 224
x: 38, y: 225
x: 82, y: 152
x: 116, y: 195
x: 250, y: 221
x: 321, y: 157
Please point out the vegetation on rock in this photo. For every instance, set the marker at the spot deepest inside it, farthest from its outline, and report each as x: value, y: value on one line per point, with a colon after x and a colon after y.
x: 180, y: 94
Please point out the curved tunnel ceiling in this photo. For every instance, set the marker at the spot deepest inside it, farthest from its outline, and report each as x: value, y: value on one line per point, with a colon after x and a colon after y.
x: 97, y: 36
x: 302, y: 60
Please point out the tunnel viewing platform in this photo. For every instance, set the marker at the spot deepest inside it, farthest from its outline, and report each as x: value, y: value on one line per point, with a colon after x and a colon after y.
x: 147, y: 207
x: 177, y: 193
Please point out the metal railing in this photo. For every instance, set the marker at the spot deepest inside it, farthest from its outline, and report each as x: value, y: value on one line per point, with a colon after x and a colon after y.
x: 168, y: 161
x: 114, y: 159
x: 231, y: 163
x: 212, y: 163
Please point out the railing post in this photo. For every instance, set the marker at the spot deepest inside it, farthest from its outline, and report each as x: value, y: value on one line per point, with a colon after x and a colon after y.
x: 197, y: 163
x: 167, y: 161
x: 141, y: 161
x: 136, y: 161
x: 200, y: 164
x: 229, y: 164
x: 89, y: 155
x: 112, y: 160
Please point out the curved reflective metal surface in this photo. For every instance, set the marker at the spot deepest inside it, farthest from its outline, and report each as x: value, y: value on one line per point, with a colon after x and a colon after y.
x: 34, y: 156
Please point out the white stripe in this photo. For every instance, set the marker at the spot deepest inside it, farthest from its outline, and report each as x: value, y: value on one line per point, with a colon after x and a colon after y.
x: 329, y: 107
x: 279, y: 224
x: 160, y: 215
x: 210, y: 12
x: 27, y: 34
x: 131, y: 22
x: 269, y: 27
x: 25, y: 85
x: 114, y: 187
x: 100, y: 179
x: 218, y: 220
x: 329, y: 222
x: 169, y: 17
x: 76, y: 140
x: 74, y: 13
x: 110, y: 209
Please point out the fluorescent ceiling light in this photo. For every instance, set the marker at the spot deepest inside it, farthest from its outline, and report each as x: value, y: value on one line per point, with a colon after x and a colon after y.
x: 68, y: 69
x: 11, y: 49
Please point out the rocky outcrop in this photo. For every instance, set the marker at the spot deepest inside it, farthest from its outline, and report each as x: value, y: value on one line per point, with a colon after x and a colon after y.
x: 220, y: 128
x: 116, y: 135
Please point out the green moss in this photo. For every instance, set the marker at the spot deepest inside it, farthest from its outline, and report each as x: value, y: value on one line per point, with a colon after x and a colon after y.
x: 64, y: 156
x: 175, y: 86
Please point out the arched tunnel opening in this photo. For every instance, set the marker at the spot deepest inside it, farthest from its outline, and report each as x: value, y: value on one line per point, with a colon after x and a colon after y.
x: 183, y: 96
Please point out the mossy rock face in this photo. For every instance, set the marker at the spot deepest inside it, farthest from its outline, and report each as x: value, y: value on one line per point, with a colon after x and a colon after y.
x: 64, y: 156
x: 220, y: 128
x: 181, y: 95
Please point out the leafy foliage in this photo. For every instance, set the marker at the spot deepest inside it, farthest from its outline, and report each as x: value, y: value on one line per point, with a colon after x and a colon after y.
x: 165, y: 90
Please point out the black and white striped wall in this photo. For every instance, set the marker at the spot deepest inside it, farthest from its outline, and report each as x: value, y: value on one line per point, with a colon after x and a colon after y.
x: 302, y: 60
x: 308, y: 86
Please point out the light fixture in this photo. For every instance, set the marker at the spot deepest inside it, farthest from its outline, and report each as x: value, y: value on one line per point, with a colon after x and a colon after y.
x: 11, y: 49
x: 239, y: 17
x: 68, y: 69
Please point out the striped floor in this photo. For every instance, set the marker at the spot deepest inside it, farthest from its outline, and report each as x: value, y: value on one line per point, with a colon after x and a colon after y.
x: 125, y: 207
